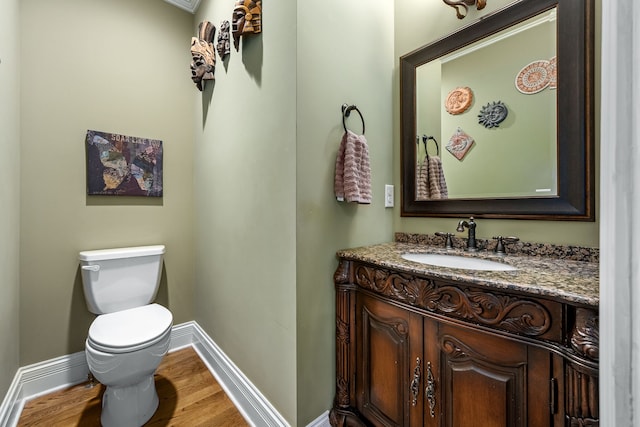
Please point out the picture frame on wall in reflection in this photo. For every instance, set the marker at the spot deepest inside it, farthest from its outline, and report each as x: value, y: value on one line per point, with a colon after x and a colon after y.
x: 121, y: 165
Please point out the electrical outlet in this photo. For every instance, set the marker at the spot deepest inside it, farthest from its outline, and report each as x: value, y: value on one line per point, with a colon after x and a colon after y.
x: 388, y: 196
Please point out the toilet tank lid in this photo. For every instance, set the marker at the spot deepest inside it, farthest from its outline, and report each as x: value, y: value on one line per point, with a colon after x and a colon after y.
x: 116, y: 253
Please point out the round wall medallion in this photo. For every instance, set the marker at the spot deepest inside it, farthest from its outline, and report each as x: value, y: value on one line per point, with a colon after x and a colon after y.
x: 553, y: 77
x: 492, y: 114
x: 534, y: 77
x: 458, y: 100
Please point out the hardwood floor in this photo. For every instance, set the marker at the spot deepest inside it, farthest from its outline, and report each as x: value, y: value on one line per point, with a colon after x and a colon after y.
x: 189, y: 396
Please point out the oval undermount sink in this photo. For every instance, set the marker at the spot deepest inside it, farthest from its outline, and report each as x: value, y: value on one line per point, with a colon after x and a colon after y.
x: 456, y: 261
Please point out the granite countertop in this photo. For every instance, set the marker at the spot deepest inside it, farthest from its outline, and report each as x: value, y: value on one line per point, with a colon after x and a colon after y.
x: 567, y: 280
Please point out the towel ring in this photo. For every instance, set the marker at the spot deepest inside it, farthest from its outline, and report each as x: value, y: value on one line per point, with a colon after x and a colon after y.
x: 346, y: 112
x: 426, y: 139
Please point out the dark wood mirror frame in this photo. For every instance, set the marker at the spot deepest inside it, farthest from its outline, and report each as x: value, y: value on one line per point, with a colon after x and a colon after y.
x: 575, y: 114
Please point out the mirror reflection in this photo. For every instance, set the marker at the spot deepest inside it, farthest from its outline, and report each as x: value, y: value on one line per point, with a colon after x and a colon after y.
x: 486, y: 117
x: 519, y: 136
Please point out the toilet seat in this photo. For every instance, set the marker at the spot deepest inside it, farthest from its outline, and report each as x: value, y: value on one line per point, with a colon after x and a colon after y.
x: 130, y: 330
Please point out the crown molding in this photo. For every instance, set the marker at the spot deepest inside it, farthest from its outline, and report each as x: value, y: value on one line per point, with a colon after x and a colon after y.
x: 189, y: 5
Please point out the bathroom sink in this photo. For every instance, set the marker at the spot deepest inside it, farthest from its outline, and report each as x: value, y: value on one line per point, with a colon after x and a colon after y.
x: 456, y: 261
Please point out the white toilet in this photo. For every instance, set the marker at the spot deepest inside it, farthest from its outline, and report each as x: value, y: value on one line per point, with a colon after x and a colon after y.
x: 131, y: 335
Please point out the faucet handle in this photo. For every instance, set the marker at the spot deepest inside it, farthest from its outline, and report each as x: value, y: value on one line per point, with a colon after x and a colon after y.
x: 448, y: 242
x: 500, y: 249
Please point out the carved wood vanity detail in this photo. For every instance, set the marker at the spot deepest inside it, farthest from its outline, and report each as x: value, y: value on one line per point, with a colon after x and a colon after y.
x: 418, y: 349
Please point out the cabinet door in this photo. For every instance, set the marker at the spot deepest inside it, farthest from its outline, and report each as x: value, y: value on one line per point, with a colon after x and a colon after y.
x: 486, y: 380
x: 389, y: 364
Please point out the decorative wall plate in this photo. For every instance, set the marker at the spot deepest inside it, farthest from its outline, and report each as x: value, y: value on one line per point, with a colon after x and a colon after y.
x: 553, y: 77
x: 459, y: 144
x: 534, y: 77
x: 458, y: 100
x: 492, y: 114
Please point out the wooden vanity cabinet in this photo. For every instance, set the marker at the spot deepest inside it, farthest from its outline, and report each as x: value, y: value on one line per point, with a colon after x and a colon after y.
x: 486, y: 380
x: 388, y: 354
x: 483, y: 378
x: 412, y: 351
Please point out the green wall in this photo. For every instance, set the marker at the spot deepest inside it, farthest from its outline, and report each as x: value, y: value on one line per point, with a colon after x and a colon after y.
x: 245, y: 165
x: 116, y: 66
x: 418, y: 23
x: 268, y: 224
x: 345, y: 55
x: 248, y: 217
x: 9, y: 191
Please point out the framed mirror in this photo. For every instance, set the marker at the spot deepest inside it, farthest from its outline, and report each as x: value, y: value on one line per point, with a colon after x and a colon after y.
x: 497, y: 118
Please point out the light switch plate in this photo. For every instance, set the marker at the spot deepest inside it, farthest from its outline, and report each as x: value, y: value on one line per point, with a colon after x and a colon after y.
x: 388, y: 196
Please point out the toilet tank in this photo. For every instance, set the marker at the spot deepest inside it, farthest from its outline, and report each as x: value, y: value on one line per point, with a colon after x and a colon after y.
x: 121, y: 278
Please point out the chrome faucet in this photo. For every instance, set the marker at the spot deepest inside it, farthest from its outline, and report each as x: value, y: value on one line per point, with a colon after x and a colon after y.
x: 471, y: 225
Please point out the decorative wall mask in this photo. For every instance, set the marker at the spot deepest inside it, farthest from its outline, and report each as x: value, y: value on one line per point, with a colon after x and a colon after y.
x: 223, y: 46
x: 492, y: 114
x: 203, y: 57
x: 458, y: 100
x: 247, y: 19
x: 459, y: 5
x: 459, y: 144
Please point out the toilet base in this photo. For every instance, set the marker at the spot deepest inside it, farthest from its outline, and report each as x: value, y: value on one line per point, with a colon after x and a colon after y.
x: 129, y: 406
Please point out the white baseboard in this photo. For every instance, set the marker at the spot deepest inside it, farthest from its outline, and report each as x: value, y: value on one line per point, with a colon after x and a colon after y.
x: 321, y: 421
x: 247, y: 398
x: 45, y: 377
x: 41, y: 378
x: 9, y: 412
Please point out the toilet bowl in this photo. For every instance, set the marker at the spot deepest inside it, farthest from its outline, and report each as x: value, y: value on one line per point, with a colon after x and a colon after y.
x: 130, y: 335
x: 123, y: 352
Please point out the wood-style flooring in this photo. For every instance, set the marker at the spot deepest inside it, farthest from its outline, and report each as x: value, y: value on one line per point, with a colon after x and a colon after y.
x: 189, y: 396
